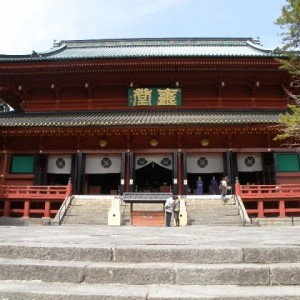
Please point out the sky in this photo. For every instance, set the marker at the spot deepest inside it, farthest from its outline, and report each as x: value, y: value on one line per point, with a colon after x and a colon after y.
x: 27, y: 25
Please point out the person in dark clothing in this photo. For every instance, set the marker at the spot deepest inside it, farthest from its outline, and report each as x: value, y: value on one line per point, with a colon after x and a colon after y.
x: 213, y: 186
x: 176, y: 209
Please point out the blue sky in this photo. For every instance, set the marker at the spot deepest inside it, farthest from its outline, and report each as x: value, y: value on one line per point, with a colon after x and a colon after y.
x: 28, y: 25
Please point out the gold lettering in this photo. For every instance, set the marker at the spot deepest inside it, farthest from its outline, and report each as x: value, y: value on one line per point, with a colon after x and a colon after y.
x: 142, y: 97
x: 167, y: 96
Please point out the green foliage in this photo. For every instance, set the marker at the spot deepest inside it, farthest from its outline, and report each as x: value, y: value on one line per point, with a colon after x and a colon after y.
x: 289, y: 21
x: 291, y: 124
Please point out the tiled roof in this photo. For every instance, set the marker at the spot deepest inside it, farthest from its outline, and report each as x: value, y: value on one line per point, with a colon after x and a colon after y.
x: 137, y: 118
x: 134, y: 48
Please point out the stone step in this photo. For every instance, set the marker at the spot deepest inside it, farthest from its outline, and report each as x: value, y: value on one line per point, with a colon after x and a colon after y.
x: 83, y: 206
x: 69, y: 291
x: 87, y: 211
x: 200, y: 211
x: 80, y: 266
x: 215, y: 221
x: 212, y: 212
x: 218, y: 213
x: 86, y: 222
x: 89, y: 272
x: 160, y: 253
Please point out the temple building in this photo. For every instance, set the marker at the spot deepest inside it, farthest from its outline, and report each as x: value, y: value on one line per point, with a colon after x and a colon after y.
x: 145, y: 115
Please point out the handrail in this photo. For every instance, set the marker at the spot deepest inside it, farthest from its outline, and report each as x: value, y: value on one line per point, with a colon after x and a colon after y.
x: 278, y: 195
x: 242, y: 210
x: 63, y: 208
x: 268, y: 191
x: 16, y: 191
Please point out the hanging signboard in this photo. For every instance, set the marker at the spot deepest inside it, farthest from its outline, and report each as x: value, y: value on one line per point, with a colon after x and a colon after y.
x: 154, y: 97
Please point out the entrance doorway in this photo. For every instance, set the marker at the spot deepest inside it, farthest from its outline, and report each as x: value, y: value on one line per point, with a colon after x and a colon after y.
x: 246, y: 178
x: 153, y: 178
x: 206, y: 178
x: 205, y: 165
x: 105, y: 184
x: 57, y: 179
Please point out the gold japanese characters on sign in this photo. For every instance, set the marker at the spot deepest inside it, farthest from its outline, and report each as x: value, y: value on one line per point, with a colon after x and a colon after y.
x: 154, y: 97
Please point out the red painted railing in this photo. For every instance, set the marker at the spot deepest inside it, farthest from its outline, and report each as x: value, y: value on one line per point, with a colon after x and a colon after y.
x: 32, y: 201
x: 270, y: 200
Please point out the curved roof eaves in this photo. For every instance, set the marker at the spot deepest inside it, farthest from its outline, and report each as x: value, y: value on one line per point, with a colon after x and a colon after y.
x: 65, y: 53
x: 136, y: 118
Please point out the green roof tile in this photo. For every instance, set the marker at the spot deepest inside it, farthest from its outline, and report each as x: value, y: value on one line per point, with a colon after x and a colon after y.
x: 134, y: 48
x: 136, y: 118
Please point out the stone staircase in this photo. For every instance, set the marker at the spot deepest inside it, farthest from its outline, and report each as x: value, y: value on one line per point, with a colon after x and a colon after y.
x: 149, y: 272
x: 93, y: 210
x: 89, y: 210
x: 212, y: 211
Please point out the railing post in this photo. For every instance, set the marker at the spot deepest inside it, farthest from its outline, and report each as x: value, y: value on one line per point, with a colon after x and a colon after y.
x: 281, y: 208
x: 6, y: 208
x: 260, y: 209
x: 26, y: 208
x: 69, y: 187
x: 47, y: 209
x: 237, y: 187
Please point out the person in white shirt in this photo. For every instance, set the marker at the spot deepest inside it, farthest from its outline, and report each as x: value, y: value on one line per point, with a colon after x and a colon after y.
x: 169, y: 208
x: 223, y: 189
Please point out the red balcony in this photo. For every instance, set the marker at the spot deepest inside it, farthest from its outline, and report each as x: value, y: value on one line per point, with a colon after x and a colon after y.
x: 270, y: 200
x: 32, y: 201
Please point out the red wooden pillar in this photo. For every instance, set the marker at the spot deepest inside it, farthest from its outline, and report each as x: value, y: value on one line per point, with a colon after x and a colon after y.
x: 127, y: 172
x: 260, y: 208
x: 26, y: 208
x: 47, y: 209
x: 281, y: 208
x: 6, y: 208
x: 179, y: 174
x: 128, y: 158
x: 3, y: 168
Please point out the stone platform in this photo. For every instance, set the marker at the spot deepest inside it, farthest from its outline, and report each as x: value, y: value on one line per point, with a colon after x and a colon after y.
x: 198, y: 262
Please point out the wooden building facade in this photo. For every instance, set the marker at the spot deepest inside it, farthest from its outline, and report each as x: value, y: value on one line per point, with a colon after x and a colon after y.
x: 144, y: 115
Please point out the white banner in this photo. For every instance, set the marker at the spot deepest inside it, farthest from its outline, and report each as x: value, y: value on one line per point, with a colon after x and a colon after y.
x: 205, y: 163
x: 250, y: 162
x: 164, y: 161
x: 59, y: 164
x: 99, y: 164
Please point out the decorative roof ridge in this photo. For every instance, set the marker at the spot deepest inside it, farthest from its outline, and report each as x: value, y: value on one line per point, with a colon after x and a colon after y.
x: 147, y: 47
x: 259, y: 47
x: 128, y: 42
x: 55, y: 49
x: 35, y: 55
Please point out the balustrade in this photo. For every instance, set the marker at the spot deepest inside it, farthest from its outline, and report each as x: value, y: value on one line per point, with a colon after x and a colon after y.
x: 270, y: 200
x: 32, y: 201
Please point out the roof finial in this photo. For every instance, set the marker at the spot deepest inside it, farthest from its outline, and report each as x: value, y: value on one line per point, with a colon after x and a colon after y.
x: 35, y: 54
x: 256, y: 40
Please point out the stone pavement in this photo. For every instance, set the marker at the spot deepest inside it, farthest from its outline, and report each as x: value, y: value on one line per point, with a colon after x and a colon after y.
x: 149, y: 263
x: 190, y: 236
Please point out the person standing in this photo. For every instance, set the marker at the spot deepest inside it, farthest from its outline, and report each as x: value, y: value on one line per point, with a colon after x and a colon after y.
x: 223, y: 189
x: 169, y: 208
x: 176, y: 209
x: 213, y: 186
x: 199, y: 186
